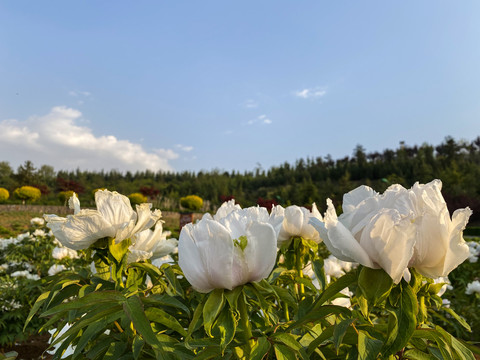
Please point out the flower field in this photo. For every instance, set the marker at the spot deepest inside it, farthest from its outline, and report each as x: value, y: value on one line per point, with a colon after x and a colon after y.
x: 391, y: 277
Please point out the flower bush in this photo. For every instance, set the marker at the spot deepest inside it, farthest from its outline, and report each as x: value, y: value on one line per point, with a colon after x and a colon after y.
x: 249, y: 284
x: 27, y: 193
x: 4, y: 195
x: 137, y: 198
x: 191, y: 202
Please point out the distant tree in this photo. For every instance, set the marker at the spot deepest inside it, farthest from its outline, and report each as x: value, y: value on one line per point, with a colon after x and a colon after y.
x: 26, y: 174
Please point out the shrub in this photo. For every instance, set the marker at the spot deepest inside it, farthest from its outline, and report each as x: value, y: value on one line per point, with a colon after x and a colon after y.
x: 4, y: 194
x: 63, y: 196
x: 137, y: 198
x: 191, y: 202
x: 27, y: 193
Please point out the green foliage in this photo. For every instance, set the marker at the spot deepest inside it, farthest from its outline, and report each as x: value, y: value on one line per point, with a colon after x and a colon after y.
x: 4, y: 195
x: 137, y: 198
x: 191, y: 202
x: 63, y: 196
x: 27, y: 193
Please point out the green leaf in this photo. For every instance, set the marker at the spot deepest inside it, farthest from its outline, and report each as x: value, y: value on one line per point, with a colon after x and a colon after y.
x: 11, y: 355
x: 375, y: 285
x: 462, y: 352
x: 260, y: 349
x: 339, y: 332
x: 414, y: 354
x: 172, y: 279
x: 405, y: 312
x: 457, y: 317
x: 137, y: 346
x: 166, y: 300
x: 320, y: 313
x: 98, y: 297
x: 119, y: 250
x: 134, y: 309
x: 39, y: 302
x: 224, y: 327
x: 94, y: 329
x: 318, y: 269
x: 368, y: 348
x: 291, y: 342
x: 283, y: 352
x: 212, y: 308
x: 162, y: 317
x: 232, y: 296
x: 335, y: 287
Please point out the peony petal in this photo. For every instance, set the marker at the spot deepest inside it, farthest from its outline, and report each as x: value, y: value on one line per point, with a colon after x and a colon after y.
x: 216, y: 248
x: 458, y: 248
x: 353, y: 198
x: 191, y: 262
x: 74, y: 204
x: 293, y: 221
x: 389, y: 240
x: 261, y: 250
x: 81, y: 230
x: 115, y: 208
x: 339, y: 240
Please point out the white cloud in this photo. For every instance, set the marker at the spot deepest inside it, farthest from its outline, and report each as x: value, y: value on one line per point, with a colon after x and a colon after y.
x: 316, y: 92
x: 260, y: 119
x: 57, y: 139
x: 184, y: 147
x: 250, y: 104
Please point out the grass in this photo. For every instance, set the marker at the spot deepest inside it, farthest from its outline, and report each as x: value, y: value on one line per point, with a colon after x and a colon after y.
x: 13, y: 223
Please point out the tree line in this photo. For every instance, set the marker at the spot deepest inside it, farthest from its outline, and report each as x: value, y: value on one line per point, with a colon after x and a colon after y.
x: 456, y: 163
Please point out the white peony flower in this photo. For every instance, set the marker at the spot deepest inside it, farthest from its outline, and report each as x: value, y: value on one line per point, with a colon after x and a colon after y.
x: 38, y: 232
x: 147, y: 244
x: 295, y: 221
x: 473, y: 287
x: 396, y: 230
x: 114, y: 217
x: 55, y: 269
x: 236, y: 249
x: 37, y: 221
x: 26, y: 274
x: 60, y: 253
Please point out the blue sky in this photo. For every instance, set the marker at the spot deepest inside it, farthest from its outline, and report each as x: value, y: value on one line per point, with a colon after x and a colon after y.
x: 193, y: 85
